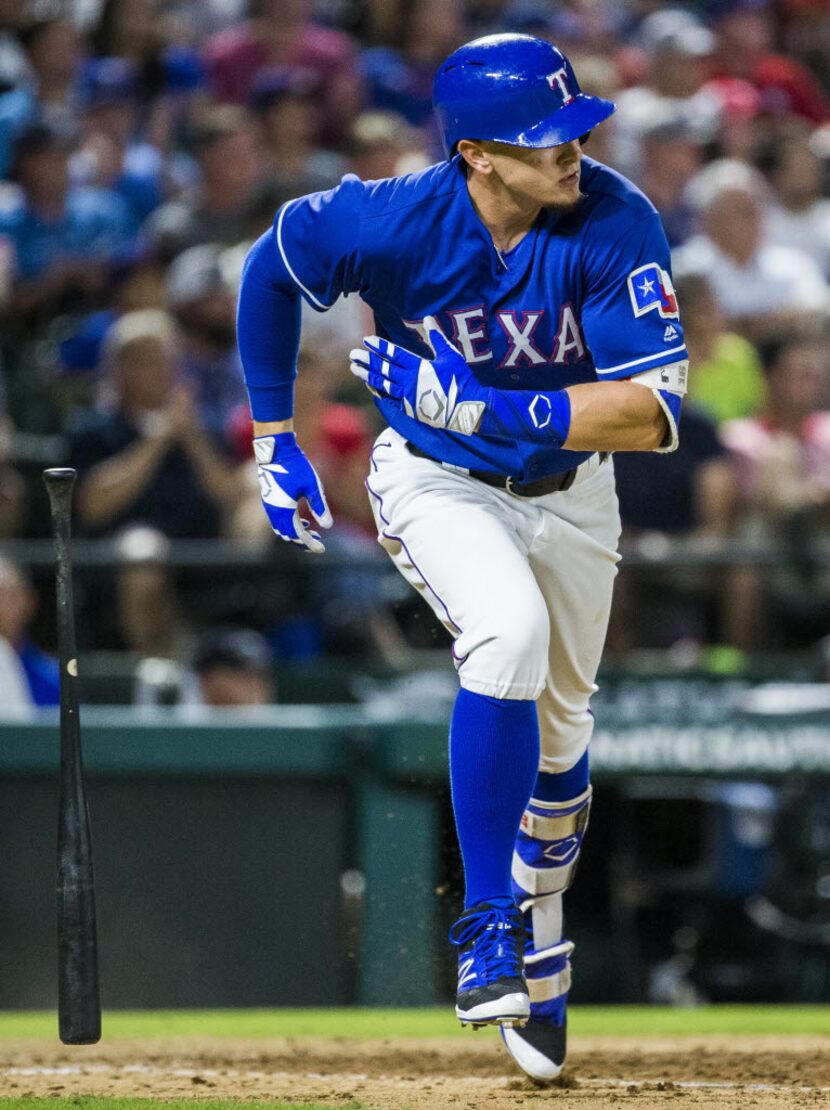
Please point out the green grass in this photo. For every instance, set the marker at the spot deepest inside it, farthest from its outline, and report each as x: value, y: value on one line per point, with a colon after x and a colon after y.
x: 83, y: 1102
x: 586, y: 1021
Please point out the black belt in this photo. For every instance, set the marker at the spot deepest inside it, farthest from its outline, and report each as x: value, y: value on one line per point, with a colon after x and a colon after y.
x: 555, y: 483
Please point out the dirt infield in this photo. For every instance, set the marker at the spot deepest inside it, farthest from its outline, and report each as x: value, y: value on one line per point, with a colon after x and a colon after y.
x: 469, y: 1073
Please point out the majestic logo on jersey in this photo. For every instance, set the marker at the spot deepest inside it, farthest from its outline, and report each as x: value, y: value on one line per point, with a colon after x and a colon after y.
x: 650, y: 287
x: 559, y: 81
x: 670, y: 334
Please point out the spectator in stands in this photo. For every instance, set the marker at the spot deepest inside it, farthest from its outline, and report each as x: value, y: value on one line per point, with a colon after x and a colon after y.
x: 485, y: 17
x: 745, y: 33
x: 76, y: 380
x: 804, y: 33
x: 136, y: 30
x: 221, y: 208
x: 18, y: 605
x: 672, y: 152
x: 17, y: 80
x: 282, y: 32
x: 15, y: 700
x: 690, y: 495
x: 233, y: 669
x: 139, y: 280
x: 200, y: 298
x: 149, y: 35
x: 727, y: 381
x: 285, y: 103
x: 382, y: 144
x: 741, y: 122
x: 399, y: 78
x: 147, y: 463
x: 54, y: 49
x: 15, y: 70
x: 676, y: 45
x: 801, y: 215
x: 783, y: 458
x: 760, y: 287
x: 110, y: 155
x: 199, y: 18
x: 65, y: 237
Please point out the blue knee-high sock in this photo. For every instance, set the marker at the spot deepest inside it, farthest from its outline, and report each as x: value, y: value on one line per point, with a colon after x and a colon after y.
x: 494, y: 757
x: 561, y: 787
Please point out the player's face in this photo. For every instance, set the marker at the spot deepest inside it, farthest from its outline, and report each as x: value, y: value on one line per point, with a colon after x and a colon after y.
x: 548, y: 176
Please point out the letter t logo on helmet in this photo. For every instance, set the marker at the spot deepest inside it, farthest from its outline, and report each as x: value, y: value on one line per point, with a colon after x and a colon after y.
x: 559, y: 80
x: 513, y: 89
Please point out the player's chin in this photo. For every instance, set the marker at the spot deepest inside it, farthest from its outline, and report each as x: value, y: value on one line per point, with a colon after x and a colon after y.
x: 564, y: 198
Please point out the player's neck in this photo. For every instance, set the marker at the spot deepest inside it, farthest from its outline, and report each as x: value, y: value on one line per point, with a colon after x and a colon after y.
x: 506, y: 217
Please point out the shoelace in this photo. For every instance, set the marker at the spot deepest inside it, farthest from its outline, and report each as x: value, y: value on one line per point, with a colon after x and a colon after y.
x: 494, y: 933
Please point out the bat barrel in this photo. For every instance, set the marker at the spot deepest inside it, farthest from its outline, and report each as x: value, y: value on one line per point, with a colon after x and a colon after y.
x: 79, y: 1007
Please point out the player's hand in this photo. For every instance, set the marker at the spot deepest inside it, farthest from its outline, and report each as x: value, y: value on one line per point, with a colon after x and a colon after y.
x: 285, y: 476
x: 446, y: 394
x: 443, y: 392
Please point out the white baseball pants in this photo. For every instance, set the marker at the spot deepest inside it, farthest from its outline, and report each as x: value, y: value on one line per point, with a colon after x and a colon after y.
x: 523, y: 584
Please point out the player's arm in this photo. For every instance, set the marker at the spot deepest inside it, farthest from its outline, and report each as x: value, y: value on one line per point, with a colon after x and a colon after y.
x: 268, y: 334
x: 596, y: 416
x: 307, y: 254
x: 615, y: 416
x: 631, y: 324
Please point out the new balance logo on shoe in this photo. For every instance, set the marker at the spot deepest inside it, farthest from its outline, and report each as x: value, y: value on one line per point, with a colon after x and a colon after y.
x: 466, y: 972
x: 670, y: 333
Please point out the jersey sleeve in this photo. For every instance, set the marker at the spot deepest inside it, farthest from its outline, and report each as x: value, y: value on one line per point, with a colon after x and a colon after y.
x: 310, y: 252
x: 629, y: 312
x: 318, y: 238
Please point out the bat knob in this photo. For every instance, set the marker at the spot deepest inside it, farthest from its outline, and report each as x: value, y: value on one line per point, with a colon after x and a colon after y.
x: 59, y: 475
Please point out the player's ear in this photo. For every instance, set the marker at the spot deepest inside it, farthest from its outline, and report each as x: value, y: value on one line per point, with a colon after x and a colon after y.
x: 475, y: 155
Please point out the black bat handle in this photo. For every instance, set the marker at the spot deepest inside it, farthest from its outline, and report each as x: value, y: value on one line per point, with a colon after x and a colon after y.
x: 79, y: 1006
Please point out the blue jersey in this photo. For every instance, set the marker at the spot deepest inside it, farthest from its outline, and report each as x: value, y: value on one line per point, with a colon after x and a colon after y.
x: 95, y: 225
x: 586, y: 295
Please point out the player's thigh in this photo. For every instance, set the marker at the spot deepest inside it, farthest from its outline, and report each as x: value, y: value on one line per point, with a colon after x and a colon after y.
x: 462, y: 550
x: 575, y: 563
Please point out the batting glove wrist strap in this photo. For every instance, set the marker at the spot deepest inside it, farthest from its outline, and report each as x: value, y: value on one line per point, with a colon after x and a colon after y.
x: 285, y: 477
x: 266, y: 448
x: 525, y: 416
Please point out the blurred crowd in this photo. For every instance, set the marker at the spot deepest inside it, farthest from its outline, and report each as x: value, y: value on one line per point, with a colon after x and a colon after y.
x: 145, y: 144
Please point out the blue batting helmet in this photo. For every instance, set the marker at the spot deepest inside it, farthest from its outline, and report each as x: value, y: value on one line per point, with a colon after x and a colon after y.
x: 513, y: 89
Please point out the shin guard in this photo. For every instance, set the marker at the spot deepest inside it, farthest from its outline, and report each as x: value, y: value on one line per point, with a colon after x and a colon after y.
x: 544, y: 864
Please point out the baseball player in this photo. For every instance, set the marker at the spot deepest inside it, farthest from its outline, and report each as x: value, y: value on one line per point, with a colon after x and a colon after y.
x: 526, y: 328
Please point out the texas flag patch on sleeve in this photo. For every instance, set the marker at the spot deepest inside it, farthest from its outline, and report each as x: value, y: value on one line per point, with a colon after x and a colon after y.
x: 650, y: 287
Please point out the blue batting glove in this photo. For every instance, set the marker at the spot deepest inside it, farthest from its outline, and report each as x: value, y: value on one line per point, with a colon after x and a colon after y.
x: 446, y: 394
x: 285, y: 475
x: 443, y: 393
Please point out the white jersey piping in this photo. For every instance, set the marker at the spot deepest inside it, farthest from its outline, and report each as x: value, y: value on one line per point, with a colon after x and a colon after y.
x: 637, y: 361
x: 318, y: 304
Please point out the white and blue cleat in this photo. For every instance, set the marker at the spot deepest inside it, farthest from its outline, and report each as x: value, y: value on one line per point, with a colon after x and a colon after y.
x: 544, y: 862
x: 540, y: 1047
x: 491, y: 983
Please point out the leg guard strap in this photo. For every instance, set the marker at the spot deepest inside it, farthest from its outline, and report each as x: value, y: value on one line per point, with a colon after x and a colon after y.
x: 548, y: 972
x: 548, y: 845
